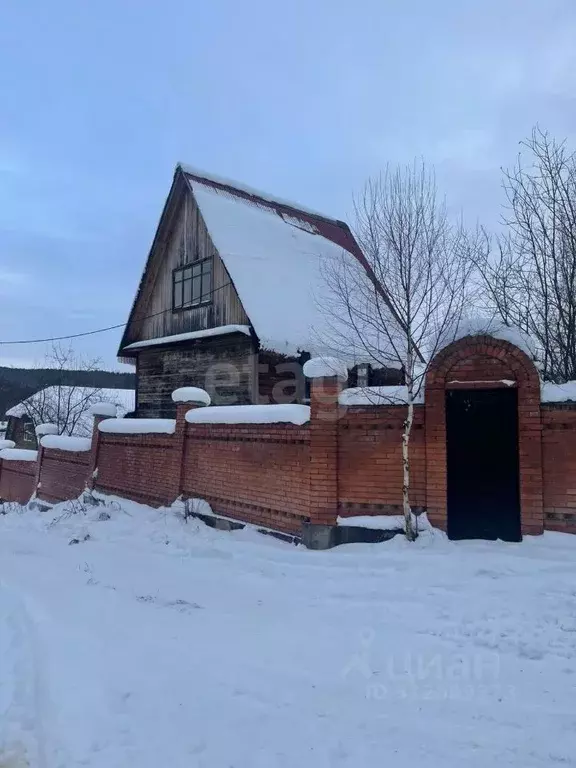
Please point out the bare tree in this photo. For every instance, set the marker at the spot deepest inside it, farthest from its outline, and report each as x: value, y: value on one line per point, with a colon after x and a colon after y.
x: 410, y: 296
x: 61, y: 403
x: 530, y: 282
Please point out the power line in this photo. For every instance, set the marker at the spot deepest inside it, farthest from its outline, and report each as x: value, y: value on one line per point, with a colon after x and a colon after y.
x: 98, y: 330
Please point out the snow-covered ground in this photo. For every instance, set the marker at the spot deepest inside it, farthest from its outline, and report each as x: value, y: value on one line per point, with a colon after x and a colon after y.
x: 159, y: 643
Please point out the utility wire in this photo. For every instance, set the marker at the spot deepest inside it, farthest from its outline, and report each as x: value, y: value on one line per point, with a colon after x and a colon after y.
x: 98, y: 330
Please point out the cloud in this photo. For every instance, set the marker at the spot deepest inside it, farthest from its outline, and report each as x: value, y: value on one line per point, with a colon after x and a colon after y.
x: 12, y: 282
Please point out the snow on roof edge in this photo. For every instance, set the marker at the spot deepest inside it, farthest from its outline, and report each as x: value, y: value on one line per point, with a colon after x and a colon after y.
x: 212, y: 178
x: 189, y: 335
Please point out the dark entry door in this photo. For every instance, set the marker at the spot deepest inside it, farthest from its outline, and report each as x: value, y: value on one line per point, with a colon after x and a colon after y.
x: 482, y: 458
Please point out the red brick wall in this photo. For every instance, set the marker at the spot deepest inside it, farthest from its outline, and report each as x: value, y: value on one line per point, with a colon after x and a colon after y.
x: 559, y: 466
x: 144, y: 468
x: 370, y: 460
x: 63, y: 474
x: 256, y: 473
x: 17, y: 480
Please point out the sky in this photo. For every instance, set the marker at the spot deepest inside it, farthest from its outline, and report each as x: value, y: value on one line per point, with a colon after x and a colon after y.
x: 304, y: 100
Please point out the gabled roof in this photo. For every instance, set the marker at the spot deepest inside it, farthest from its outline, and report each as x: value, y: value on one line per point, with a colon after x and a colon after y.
x: 274, y: 251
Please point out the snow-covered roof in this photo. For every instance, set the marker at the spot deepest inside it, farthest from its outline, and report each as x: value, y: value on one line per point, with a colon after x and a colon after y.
x: 275, y: 252
x: 54, y: 403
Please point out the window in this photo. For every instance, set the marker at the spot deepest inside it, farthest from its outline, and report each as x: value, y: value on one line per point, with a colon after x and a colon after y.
x: 29, y: 432
x: 192, y: 284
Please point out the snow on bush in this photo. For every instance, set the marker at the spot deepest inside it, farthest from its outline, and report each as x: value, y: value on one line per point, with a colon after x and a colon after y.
x: 46, y: 429
x: 325, y: 367
x: 7, y: 444
x: 66, y: 443
x: 191, y: 395
x: 18, y: 454
x: 138, y: 426
x: 104, y: 409
x: 250, y: 414
x: 394, y: 395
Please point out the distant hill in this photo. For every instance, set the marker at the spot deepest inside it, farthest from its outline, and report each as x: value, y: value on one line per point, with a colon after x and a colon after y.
x: 16, y: 384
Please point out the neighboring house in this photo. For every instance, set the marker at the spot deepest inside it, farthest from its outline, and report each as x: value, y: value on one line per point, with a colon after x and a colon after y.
x: 67, y: 407
x: 229, y: 297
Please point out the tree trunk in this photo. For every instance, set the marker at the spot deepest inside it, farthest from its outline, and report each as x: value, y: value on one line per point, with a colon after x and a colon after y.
x: 411, y: 531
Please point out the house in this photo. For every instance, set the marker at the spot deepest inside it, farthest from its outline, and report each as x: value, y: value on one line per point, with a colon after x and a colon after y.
x: 229, y: 297
x: 67, y: 407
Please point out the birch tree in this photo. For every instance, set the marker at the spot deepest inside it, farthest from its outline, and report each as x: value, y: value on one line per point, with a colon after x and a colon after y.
x: 409, y: 295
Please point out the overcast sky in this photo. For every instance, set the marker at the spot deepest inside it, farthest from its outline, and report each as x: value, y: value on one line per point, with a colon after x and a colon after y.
x: 303, y: 99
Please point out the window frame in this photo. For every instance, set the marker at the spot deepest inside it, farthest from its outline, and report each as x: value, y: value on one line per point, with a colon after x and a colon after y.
x: 191, y: 265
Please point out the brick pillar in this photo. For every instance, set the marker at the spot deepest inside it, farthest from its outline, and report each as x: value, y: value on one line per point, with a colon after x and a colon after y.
x: 41, y: 431
x: 186, y: 399
x: 324, y: 450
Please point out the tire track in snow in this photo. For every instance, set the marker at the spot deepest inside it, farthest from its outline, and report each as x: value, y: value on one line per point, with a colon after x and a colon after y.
x: 22, y: 694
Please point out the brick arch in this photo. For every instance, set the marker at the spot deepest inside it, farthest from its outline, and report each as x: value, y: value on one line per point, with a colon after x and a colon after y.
x: 483, y: 362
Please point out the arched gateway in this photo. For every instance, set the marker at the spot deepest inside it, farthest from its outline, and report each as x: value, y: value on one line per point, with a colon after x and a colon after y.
x: 483, y: 441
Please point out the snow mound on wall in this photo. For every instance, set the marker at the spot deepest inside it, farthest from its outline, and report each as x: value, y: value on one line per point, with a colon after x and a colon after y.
x: 46, y: 429
x: 6, y: 444
x: 250, y: 414
x: 18, y: 454
x: 324, y: 367
x: 191, y: 395
x: 66, y: 443
x: 558, y: 393
x: 138, y: 426
x: 395, y: 395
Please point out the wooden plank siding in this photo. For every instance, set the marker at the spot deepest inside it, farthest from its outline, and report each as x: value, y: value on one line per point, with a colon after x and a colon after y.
x: 182, y: 238
x: 224, y: 366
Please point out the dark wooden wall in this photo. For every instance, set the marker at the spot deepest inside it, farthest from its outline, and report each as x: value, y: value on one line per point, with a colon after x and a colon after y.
x: 225, y: 367
x: 182, y: 238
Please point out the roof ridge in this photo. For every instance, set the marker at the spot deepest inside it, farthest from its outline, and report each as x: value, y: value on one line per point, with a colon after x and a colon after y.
x: 251, y: 192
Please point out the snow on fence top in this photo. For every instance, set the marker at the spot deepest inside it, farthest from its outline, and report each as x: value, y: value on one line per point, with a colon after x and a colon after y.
x: 18, y: 454
x: 378, y: 396
x: 558, y: 393
x: 222, y: 330
x: 138, y: 426
x: 46, y: 429
x: 325, y: 367
x: 66, y: 443
x: 6, y: 444
x: 250, y: 414
x: 191, y: 395
x: 104, y: 409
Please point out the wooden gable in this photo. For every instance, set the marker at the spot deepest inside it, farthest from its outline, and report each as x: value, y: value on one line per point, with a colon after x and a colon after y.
x: 181, y: 238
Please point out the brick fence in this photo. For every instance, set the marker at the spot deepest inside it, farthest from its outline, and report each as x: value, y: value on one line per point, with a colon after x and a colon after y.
x: 345, y: 461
